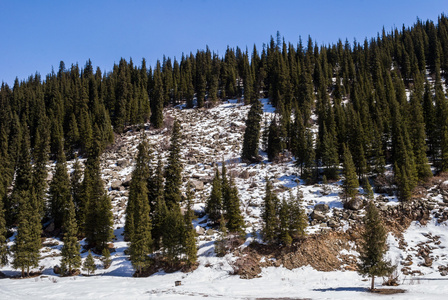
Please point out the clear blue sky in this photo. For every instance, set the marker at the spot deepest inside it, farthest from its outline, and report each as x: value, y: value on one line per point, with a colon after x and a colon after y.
x: 38, y: 34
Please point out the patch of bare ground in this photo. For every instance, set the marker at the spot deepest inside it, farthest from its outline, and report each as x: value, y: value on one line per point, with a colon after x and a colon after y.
x: 387, y: 291
x: 160, y: 264
x: 321, y: 251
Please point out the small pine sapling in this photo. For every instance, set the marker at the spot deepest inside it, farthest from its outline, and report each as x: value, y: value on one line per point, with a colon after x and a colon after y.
x: 89, y: 264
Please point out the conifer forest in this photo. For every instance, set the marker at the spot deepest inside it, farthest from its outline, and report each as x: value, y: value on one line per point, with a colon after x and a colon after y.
x: 290, y: 155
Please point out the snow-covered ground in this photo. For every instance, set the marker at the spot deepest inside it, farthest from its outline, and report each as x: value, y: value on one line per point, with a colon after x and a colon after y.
x: 210, y: 137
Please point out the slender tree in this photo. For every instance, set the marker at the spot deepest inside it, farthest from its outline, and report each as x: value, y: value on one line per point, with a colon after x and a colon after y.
x: 214, y: 202
x: 252, y: 132
x: 373, y: 247
x: 173, y: 170
x: 89, y: 264
x: 71, y: 257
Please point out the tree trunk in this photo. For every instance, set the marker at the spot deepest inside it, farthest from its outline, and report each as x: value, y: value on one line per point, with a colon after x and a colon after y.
x: 23, y: 272
x: 372, y: 288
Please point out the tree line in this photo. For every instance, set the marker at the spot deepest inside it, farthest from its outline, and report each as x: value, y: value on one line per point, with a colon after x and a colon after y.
x: 356, y: 94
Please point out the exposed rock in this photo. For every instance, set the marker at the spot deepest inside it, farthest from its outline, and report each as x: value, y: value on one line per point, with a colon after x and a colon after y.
x: 197, y: 185
x: 116, y: 184
x: 354, y: 204
x: 200, y: 230
x: 318, y: 215
x: 127, y: 180
x: 123, y: 163
x: 210, y: 232
x: 322, y: 207
x: 57, y: 270
x: 50, y: 228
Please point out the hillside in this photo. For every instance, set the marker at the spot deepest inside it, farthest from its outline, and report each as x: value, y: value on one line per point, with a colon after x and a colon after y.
x: 209, y: 137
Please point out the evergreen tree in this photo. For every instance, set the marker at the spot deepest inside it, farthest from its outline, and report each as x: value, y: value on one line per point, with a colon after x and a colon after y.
x: 107, y: 261
x: 71, y: 257
x: 309, y: 173
x: 275, y: 142
x: 26, y: 248
x: 23, y: 179
x: 138, y: 187
x: 418, y: 136
x: 298, y: 220
x: 351, y: 182
x: 173, y: 234
x: 98, y: 212
x: 76, y: 191
x: 173, y: 170
x: 329, y: 153
x: 190, y: 247
x: 40, y: 172
x: 60, y: 195
x: 3, y: 231
x: 235, y: 221
x: 252, y: 132
x: 157, y: 99
x: 158, y: 205
x: 214, y: 202
x: 373, y: 246
x: 269, y: 213
x: 89, y: 264
x: 284, y: 233
x: 141, y: 241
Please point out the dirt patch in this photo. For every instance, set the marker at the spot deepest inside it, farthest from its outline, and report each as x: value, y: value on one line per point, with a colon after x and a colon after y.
x: 387, y: 291
x: 320, y: 251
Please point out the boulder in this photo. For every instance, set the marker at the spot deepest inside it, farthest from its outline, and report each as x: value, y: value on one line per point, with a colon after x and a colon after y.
x: 354, y: 204
x: 200, y: 230
x: 318, y: 215
x: 50, y: 228
x: 127, y: 180
x: 57, y: 270
x: 116, y: 184
x: 123, y: 163
x: 322, y: 207
x: 197, y: 185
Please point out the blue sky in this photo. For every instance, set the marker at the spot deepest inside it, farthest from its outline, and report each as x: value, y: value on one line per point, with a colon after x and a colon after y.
x: 37, y: 35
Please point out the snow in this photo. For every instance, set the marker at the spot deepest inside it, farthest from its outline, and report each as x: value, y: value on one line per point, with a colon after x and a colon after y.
x: 213, y: 278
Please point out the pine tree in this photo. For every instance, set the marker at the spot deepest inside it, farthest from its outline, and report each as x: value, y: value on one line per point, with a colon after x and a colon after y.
x: 60, y: 195
x: 252, y: 132
x: 351, y: 182
x: 190, y: 248
x: 107, y: 261
x: 140, y: 177
x: 275, y: 143
x: 26, y: 248
x: 214, y: 202
x: 89, y: 264
x: 309, y: 173
x: 71, y: 257
x: 141, y: 241
x: 98, y: 212
x: 173, y: 234
x: 235, y: 221
x: 284, y: 226
x: 3, y: 231
x: 23, y: 179
x: 157, y: 99
x: 173, y: 170
x: 76, y: 191
x: 373, y: 247
x: 298, y: 220
x: 40, y: 172
x: 269, y: 213
x: 158, y: 204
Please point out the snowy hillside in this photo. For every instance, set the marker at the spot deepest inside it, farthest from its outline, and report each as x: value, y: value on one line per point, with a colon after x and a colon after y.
x: 209, y: 138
